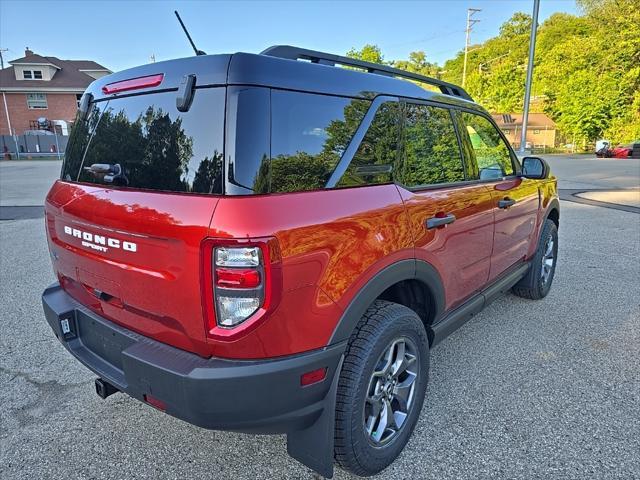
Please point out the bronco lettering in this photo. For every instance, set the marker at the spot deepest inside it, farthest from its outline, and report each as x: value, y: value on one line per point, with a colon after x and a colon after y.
x: 97, y: 242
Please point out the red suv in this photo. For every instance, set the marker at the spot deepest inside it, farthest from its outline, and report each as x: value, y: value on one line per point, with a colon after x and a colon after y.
x: 262, y: 244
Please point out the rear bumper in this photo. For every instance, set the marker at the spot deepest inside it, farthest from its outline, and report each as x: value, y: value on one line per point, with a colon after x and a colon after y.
x: 248, y: 396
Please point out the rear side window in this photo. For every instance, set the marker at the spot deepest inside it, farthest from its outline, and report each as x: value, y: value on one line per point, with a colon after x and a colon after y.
x: 143, y: 142
x: 377, y: 155
x: 309, y: 134
x: 491, y: 152
x: 431, y: 153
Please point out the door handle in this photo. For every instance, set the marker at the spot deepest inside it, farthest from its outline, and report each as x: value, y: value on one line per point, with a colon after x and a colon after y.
x: 435, y: 222
x: 506, y: 202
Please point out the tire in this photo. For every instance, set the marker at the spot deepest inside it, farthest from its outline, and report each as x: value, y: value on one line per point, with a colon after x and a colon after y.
x: 361, y: 446
x: 536, y: 284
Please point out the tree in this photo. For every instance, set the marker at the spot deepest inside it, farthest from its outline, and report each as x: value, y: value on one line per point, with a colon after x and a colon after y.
x: 418, y: 63
x: 519, y: 24
x: 368, y: 53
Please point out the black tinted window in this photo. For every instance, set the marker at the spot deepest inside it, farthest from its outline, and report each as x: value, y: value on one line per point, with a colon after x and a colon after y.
x: 249, y: 137
x: 143, y: 141
x: 377, y: 155
x: 309, y: 134
x: 431, y: 154
x: 491, y: 152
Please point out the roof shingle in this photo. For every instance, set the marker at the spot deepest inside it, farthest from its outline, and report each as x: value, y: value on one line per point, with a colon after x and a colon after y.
x: 68, y: 75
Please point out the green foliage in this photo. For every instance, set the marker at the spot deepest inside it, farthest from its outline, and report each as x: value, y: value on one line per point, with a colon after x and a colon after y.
x: 378, y: 149
x: 418, y: 63
x: 586, y: 77
x: 519, y: 24
x: 305, y: 171
x: 368, y: 53
x: 300, y: 172
x: 431, y: 153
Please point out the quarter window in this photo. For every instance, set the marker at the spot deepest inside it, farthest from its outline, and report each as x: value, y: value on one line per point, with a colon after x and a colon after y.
x: 431, y: 153
x: 377, y: 156
x: 309, y: 135
x: 37, y: 100
x: 490, y: 151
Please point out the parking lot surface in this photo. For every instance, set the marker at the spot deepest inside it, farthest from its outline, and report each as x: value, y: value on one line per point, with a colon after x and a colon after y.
x: 26, y: 182
x: 546, y: 389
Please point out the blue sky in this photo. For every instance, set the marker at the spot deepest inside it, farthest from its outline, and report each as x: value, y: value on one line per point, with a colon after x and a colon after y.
x: 122, y: 34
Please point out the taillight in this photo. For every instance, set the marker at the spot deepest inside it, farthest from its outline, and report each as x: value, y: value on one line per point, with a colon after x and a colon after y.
x: 239, y: 290
x: 238, y: 281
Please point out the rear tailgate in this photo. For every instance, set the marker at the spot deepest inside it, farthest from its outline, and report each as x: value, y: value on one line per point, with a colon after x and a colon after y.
x: 138, y: 191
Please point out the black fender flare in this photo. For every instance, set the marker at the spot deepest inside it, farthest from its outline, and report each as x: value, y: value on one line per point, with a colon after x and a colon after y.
x: 313, y: 446
x: 554, y: 204
x: 411, y: 269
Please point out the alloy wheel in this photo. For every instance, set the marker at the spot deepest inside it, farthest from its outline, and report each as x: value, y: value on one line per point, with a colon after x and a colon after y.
x: 548, y: 260
x: 390, y: 393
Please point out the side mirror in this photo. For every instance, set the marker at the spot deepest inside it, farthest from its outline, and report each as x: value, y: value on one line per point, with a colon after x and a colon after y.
x: 535, y: 167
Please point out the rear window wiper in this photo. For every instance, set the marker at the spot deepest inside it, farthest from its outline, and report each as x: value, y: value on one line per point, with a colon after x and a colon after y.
x: 108, y: 173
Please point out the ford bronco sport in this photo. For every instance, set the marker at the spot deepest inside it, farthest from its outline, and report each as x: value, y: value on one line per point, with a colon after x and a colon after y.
x: 273, y: 243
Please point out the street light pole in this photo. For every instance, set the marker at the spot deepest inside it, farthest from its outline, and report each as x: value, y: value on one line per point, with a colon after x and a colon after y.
x: 470, y: 23
x: 527, y: 89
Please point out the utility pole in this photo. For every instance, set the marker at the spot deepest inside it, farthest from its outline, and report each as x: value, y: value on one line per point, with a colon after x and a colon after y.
x: 470, y: 23
x: 1, y: 58
x: 527, y: 89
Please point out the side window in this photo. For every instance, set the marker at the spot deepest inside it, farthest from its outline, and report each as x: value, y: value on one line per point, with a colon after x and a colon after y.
x: 431, y: 153
x: 309, y: 134
x: 377, y: 155
x: 491, y: 152
x: 249, y: 137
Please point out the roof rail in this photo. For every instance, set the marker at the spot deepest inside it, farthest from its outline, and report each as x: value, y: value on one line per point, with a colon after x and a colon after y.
x: 295, y: 53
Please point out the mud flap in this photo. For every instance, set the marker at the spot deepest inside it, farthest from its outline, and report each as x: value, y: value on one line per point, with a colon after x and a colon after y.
x: 313, y: 446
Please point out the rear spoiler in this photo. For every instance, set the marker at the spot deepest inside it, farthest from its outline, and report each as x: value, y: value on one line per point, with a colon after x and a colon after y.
x: 208, y: 70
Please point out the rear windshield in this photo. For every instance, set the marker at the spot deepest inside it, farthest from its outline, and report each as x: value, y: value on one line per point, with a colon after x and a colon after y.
x: 144, y: 142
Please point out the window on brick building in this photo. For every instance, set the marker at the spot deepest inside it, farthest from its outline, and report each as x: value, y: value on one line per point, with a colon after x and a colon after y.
x: 27, y: 74
x: 37, y: 74
x: 36, y: 100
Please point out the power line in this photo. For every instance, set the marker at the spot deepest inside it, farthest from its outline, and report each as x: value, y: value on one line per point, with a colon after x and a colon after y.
x: 426, y: 39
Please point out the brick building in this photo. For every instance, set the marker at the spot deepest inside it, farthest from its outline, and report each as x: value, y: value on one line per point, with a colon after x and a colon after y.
x: 42, y: 93
x: 541, y: 130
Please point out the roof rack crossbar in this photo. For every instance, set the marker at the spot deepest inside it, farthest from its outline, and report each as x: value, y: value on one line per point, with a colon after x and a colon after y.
x: 295, y: 53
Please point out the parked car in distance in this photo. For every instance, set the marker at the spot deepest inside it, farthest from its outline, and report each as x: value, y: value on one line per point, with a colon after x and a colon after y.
x: 260, y: 244
x: 622, y: 151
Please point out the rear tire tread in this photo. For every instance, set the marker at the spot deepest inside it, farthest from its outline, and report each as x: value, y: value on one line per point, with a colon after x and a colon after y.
x: 362, y: 340
x: 530, y: 287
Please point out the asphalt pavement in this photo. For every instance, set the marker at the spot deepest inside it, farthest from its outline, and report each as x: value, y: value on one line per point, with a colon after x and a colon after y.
x: 527, y: 389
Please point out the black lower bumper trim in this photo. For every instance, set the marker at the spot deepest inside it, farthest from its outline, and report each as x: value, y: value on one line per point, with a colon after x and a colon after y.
x: 248, y: 396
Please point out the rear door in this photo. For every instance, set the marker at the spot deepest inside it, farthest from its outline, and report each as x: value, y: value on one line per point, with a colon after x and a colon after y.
x: 515, y: 199
x: 135, y: 200
x: 451, y: 217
